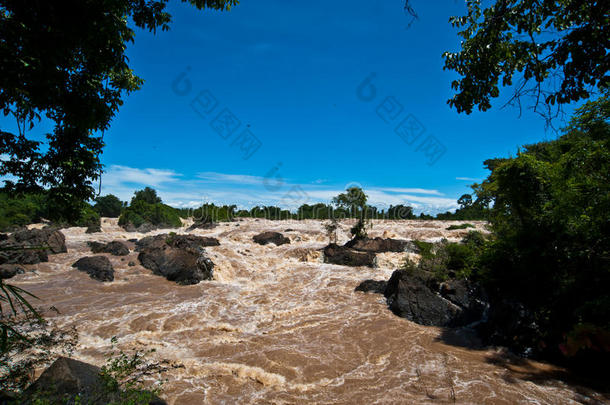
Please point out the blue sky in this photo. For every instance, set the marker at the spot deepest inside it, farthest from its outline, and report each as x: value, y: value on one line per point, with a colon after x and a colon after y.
x: 292, y: 74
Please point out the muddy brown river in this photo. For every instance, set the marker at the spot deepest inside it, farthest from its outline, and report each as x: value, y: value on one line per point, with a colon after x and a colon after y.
x: 278, y: 326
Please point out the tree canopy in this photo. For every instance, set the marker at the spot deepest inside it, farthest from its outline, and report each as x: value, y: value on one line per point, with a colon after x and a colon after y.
x: 65, y: 61
x: 553, y: 51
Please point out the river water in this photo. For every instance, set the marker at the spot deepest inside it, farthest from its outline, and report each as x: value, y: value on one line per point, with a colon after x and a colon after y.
x: 278, y: 326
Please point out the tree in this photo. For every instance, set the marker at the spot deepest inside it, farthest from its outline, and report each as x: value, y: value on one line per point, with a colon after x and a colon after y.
x: 354, y: 200
x: 553, y: 51
x: 465, y: 201
x: 65, y: 60
x: 331, y: 230
x: 109, y: 206
x: 551, y: 228
x: 148, y: 195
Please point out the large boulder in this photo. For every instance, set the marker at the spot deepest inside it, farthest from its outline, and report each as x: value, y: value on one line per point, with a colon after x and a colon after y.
x: 115, y: 248
x: 10, y: 270
x: 345, y: 256
x: 417, y: 298
x: 179, y: 258
x: 176, y: 241
x: 31, y: 246
x: 380, y: 245
x: 270, y: 237
x: 66, y: 379
x: 98, y: 267
x: 373, y: 286
x: 202, y: 223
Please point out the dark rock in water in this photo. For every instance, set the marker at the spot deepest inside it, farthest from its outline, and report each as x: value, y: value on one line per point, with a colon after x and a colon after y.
x: 133, y: 240
x: 32, y: 246
x: 288, y: 230
x: 143, y: 228
x: 374, y: 286
x: 98, y: 267
x: 203, y: 223
x: 94, y: 228
x: 176, y: 241
x: 115, y: 248
x: 68, y: 378
x: 348, y: 257
x: 380, y: 245
x: 178, y: 258
x: 413, y: 297
x: 509, y: 323
x: 10, y: 270
x: 270, y: 237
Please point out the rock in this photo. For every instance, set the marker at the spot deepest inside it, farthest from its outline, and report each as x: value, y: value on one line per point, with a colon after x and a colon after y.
x: 374, y: 286
x: 131, y: 263
x: 176, y: 241
x: 67, y: 378
x: 288, y: 230
x: 380, y: 245
x: 270, y: 237
x: 10, y: 270
x: 348, y: 257
x: 115, y: 248
x: 94, y: 228
x: 31, y: 246
x: 203, y: 223
x: 143, y: 228
x: 414, y: 297
x: 98, y: 267
x: 178, y: 258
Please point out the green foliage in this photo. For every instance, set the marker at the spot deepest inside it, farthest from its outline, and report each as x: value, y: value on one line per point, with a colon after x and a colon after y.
x: 109, y: 206
x: 461, y: 226
x: 443, y: 260
x: 553, y: 51
x: 146, y: 207
x: 75, y: 74
x: 354, y: 200
x: 20, y: 210
x: 551, y: 221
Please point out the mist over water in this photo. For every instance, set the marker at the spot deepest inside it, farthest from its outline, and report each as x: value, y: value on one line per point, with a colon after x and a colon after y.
x: 279, y: 326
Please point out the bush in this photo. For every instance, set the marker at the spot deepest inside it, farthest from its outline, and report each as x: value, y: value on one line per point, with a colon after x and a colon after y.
x: 109, y: 206
x: 141, y: 211
x: 17, y: 211
x: 462, y: 226
x: 551, y: 229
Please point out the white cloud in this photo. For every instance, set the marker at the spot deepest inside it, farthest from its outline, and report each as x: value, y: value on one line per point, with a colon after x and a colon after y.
x: 411, y: 190
x: 466, y: 179
x: 230, y: 178
x: 117, y: 175
x: 246, y: 191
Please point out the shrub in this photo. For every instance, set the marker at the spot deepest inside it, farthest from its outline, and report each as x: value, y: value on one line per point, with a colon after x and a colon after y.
x: 462, y: 226
x: 109, y: 206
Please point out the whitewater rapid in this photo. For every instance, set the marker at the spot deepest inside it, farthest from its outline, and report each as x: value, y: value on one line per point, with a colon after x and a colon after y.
x: 279, y: 326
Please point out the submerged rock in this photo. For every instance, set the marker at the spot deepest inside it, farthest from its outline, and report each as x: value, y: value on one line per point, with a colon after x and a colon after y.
x: 415, y: 297
x: 178, y: 258
x: 203, y: 223
x: 115, y: 248
x: 345, y: 256
x: 271, y: 237
x: 31, y: 246
x: 10, y: 270
x: 373, y: 286
x: 380, y: 245
x: 66, y: 379
x: 98, y: 267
